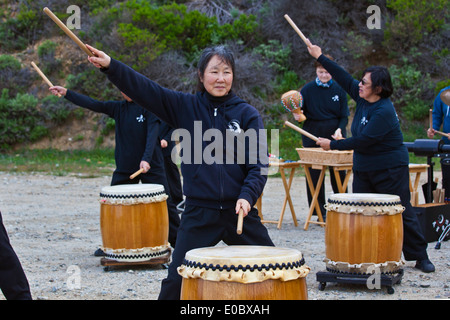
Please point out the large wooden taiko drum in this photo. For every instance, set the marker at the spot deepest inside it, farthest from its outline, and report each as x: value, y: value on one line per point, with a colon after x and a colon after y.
x: 134, y: 222
x: 364, y: 231
x: 243, y: 273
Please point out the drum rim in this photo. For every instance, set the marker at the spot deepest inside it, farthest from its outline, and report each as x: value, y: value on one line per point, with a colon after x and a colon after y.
x: 244, y: 271
x: 368, y: 199
x: 132, y: 189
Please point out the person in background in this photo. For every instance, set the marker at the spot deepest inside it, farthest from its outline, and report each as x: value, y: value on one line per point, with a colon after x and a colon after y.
x: 170, y: 167
x: 380, y: 159
x: 441, y: 116
x: 137, y: 145
x: 13, y: 281
x: 326, y: 110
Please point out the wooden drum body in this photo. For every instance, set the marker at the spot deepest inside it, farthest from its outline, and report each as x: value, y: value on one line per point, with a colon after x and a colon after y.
x: 363, y: 232
x: 243, y: 273
x: 134, y: 222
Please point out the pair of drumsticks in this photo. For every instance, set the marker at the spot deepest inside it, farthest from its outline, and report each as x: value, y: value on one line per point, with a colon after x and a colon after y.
x: 70, y: 34
x: 81, y: 45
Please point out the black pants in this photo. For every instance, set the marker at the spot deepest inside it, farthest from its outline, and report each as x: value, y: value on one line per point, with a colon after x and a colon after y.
x: 204, y: 227
x: 173, y: 179
x: 445, y: 167
x: 396, y: 181
x: 155, y: 178
x: 13, y: 281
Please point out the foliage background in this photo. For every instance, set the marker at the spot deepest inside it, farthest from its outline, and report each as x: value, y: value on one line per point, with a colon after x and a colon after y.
x: 162, y: 39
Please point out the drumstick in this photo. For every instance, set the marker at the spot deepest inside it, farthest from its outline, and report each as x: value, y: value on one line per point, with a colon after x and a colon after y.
x: 42, y: 75
x: 431, y: 118
x: 67, y: 31
x: 443, y: 134
x: 240, y: 221
x: 293, y: 25
x: 303, y: 132
x: 134, y: 175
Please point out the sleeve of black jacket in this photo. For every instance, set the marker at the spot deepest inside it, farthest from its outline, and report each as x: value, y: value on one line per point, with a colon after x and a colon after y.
x: 106, y: 107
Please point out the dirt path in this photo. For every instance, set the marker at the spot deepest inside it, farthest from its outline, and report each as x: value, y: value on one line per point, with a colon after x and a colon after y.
x: 53, y: 224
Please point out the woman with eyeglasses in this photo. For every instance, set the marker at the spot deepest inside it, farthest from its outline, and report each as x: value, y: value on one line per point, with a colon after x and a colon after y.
x: 380, y: 159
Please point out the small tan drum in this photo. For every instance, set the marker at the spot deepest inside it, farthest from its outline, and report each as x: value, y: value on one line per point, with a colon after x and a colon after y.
x: 134, y: 222
x: 243, y: 273
x: 364, y: 231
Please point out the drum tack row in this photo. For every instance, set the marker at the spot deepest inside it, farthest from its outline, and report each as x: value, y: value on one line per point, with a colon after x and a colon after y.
x: 363, y: 239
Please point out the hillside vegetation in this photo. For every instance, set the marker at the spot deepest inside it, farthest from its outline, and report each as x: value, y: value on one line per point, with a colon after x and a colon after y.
x: 163, y: 39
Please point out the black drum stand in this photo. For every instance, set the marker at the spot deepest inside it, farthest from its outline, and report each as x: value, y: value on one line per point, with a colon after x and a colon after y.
x: 387, y: 280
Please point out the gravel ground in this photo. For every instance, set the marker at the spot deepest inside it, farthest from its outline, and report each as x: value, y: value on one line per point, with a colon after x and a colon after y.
x: 53, y: 225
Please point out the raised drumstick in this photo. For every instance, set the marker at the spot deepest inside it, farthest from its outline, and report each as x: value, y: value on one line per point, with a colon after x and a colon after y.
x: 134, y: 175
x: 303, y: 132
x: 293, y: 25
x: 42, y: 75
x: 67, y: 31
x: 240, y: 221
x: 431, y: 118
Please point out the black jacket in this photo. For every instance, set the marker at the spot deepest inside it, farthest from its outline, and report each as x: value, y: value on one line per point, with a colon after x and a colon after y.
x: 215, y: 173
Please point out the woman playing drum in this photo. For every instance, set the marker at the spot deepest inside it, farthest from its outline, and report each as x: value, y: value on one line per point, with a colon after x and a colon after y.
x: 380, y: 159
x: 215, y: 192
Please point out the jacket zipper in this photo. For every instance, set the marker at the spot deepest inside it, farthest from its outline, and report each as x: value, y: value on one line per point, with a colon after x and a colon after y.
x: 219, y: 167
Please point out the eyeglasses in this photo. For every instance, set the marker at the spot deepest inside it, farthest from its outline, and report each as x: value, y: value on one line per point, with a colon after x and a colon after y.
x: 364, y: 83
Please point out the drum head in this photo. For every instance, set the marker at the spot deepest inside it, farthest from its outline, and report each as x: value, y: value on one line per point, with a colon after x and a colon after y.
x: 132, y: 194
x: 244, y: 264
x: 243, y: 255
x: 130, y: 189
x: 365, y: 203
x: 364, y: 198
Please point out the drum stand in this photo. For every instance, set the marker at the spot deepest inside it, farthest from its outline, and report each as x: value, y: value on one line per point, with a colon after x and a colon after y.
x: 161, y: 260
x: 387, y: 280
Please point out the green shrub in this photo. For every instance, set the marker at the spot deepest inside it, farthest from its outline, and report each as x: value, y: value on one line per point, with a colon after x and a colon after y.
x: 12, y: 76
x: 46, y: 53
x: 19, y: 119
x: 411, y: 88
x: 18, y: 31
x: 412, y: 20
x: 55, y: 109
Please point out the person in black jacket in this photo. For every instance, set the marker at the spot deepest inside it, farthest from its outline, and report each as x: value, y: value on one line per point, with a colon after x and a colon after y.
x: 380, y: 159
x: 172, y: 172
x: 326, y: 110
x: 13, y: 281
x: 218, y: 179
x: 137, y: 145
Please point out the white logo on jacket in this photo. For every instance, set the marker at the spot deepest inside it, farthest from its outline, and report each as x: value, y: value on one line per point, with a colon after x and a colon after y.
x: 335, y: 98
x: 234, y: 126
x: 140, y: 119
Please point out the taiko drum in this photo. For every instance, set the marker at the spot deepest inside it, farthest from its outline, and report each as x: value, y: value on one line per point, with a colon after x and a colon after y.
x: 364, y: 231
x: 243, y: 273
x: 134, y: 222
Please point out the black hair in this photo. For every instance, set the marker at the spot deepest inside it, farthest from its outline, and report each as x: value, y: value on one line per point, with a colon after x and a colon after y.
x: 380, y: 78
x: 222, y: 52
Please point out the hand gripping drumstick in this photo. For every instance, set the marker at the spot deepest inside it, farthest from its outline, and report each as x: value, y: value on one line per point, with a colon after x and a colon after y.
x: 240, y: 221
x: 431, y: 126
x: 42, y: 75
x: 134, y: 175
x: 67, y: 31
x: 293, y: 25
x: 303, y: 132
